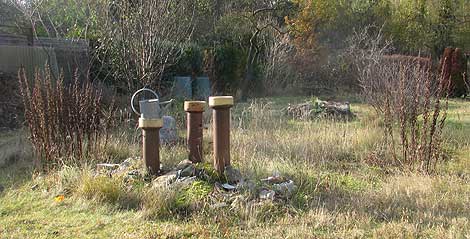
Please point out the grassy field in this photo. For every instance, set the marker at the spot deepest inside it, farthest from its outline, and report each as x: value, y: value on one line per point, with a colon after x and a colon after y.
x: 342, y: 192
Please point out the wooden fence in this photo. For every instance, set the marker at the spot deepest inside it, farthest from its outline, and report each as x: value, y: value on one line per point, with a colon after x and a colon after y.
x: 62, y: 55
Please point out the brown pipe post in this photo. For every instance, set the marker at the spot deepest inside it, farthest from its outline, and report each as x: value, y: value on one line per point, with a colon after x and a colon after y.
x: 221, y: 130
x: 194, y: 129
x: 151, y: 143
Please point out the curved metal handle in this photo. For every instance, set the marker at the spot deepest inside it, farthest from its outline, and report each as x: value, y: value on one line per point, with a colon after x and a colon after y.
x: 139, y: 91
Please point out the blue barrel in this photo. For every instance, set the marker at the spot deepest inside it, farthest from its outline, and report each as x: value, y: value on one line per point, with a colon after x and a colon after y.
x: 201, y: 88
x: 182, y: 88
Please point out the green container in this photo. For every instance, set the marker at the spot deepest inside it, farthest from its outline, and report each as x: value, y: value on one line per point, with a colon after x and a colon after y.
x: 201, y: 88
x: 182, y: 88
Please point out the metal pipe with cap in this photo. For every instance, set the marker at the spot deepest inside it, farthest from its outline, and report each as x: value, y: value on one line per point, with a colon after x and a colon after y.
x: 194, y: 110
x: 150, y: 122
x: 151, y: 143
x: 221, y: 130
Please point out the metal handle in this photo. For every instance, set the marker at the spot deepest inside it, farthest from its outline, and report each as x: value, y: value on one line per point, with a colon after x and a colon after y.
x: 137, y: 92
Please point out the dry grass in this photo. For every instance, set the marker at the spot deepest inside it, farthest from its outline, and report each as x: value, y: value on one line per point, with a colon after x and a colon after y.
x: 13, y: 146
x: 341, y: 193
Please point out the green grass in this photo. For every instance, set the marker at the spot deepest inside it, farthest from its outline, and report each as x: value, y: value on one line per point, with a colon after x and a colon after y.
x: 341, y: 192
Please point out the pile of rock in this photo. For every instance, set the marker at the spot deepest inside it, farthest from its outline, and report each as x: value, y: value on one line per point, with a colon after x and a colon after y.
x: 320, y: 108
x: 232, y: 190
x: 185, y: 172
x: 128, y: 169
x: 277, y: 186
x: 249, y: 193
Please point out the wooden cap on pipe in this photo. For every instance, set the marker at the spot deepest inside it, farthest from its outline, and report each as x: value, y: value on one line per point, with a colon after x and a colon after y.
x: 215, y: 101
x: 150, y: 123
x: 194, y: 106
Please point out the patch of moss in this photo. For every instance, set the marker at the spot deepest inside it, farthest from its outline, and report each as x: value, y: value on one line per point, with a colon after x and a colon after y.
x: 208, y: 173
x: 349, y: 183
x: 192, y: 193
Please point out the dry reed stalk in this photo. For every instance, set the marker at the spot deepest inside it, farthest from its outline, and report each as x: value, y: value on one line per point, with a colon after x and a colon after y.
x: 416, y: 100
x: 66, y: 122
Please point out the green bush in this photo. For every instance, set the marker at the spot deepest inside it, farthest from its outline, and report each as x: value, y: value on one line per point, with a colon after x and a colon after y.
x: 190, y: 61
x: 228, y: 67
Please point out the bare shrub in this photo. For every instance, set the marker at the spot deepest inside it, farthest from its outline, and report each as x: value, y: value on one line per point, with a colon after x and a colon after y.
x: 65, y: 122
x: 142, y: 38
x: 278, y: 70
x: 410, y: 97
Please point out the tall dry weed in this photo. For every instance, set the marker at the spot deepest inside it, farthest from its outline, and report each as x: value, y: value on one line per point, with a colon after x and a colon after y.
x: 66, y: 122
x: 410, y: 97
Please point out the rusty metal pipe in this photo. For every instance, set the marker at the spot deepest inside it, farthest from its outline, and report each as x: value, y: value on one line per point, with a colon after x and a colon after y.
x: 151, y: 144
x: 221, y: 131
x: 194, y: 110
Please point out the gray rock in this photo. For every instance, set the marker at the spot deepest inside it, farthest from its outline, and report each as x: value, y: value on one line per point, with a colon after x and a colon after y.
x: 232, y: 175
x: 185, y: 181
x: 129, y: 162
x: 228, y: 186
x: 128, y: 165
x: 183, y: 164
x: 189, y: 171
x: 218, y: 205
x: 267, y: 194
x: 274, y: 179
x: 165, y: 180
x: 107, y: 166
x: 133, y: 174
x: 169, y: 132
x: 286, y: 188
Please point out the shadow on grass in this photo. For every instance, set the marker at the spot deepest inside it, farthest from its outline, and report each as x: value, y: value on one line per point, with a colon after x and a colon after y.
x: 16, y: 174
x: 414, y: 199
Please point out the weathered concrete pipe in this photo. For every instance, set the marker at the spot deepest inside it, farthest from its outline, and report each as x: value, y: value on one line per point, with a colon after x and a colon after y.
x: 151, y: 143
x: 221, y: 130
x: 194, y: 110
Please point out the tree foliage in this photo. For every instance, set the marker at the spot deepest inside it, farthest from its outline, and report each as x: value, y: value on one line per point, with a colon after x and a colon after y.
x: 139, y: 41
x: 416, y: 26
